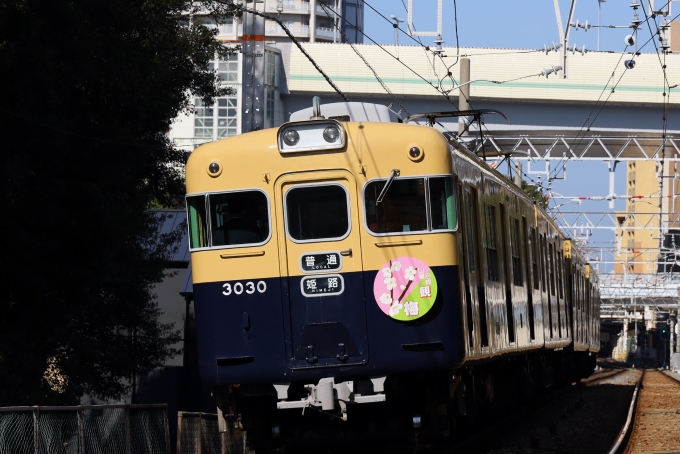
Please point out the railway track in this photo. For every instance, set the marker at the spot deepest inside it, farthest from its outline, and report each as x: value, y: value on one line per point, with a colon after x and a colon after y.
x: 569, y: 421
x: 654, y: 425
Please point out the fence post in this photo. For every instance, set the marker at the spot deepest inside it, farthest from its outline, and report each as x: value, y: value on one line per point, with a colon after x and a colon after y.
x: 200, y: 433
x: 128, y: 438
x: 222, y: 412
x: 166, y: 425
x: 81, y: 431
x: 179, y: 432
x: 36, y: 430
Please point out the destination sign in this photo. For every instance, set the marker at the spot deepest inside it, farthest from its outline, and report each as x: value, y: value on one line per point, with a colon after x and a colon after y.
x: 321, y: 261
x: 322, y: 285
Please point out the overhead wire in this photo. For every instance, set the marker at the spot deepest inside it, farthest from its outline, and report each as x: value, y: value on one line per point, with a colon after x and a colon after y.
x: 666, y: 101
x: 381, y: 47
x: 375, y: 74
x: 293, y: 39
x: 580, y: 139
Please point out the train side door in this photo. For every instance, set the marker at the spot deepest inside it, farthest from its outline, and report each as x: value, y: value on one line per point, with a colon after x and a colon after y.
x: 473, y: 277
x: 321, y: 268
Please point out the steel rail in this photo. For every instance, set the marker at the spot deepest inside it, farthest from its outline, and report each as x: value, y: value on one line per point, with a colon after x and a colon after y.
x: 618, y: 445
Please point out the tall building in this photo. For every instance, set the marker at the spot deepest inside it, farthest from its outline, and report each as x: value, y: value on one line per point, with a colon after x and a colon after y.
x: 675, y: 36
x: 306, y: 20
x: 639, y: 235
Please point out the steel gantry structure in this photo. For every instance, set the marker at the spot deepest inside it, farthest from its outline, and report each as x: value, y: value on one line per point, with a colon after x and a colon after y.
x: 631, y: 279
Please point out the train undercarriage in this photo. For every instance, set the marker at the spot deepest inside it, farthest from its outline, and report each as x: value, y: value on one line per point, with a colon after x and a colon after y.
x: 396, y: 413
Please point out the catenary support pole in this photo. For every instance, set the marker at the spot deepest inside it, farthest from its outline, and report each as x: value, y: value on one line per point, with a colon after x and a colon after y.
x: 518, y: 174
x: 312, y: 21
x: 464, y: 92
x: 253, y: 96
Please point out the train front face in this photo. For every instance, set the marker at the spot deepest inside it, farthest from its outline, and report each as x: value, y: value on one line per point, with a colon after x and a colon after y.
x: 324, y: 249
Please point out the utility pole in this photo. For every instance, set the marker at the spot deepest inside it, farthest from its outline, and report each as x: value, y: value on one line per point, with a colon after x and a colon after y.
x: 464, y: 93
x: 252, y: 96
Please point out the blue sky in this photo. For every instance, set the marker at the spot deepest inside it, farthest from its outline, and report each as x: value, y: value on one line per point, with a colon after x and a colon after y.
x: 524, y: 24
x: 527, y: 24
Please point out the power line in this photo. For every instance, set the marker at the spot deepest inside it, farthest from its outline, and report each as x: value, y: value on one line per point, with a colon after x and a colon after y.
x: 293, y: 39
x: 326, y: 10
x: 666, y: 100
x: 397, y: 59
x: 613, y: 88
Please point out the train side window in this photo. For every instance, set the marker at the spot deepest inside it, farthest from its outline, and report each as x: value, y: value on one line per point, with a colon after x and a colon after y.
x: 403, y: 209
x: 198, y: 225
x: 317, y: 212
x: 491, y: 248
x: 517, y: 278
x: 534, y: 258
x: 551, y: 268
x: 442, y: 203
x: 544, y: 263
x: 238, y: 218
x: 560, y: 269
x: 470, y: 229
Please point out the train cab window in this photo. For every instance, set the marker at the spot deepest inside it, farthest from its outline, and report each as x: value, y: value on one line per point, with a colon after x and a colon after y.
x: 403, y: 209
x: 317, y: 212
x: 238, y: 218
x: 442, y: 203
x: 198, y: 225
x: 407, y: 203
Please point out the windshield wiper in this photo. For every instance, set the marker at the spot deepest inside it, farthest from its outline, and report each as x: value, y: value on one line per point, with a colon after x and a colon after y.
x: 395, y: 174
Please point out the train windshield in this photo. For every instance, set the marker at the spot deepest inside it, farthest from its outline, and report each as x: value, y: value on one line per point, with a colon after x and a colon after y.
x: 317, y: 212
x: 236, y: 219
x: 407, y: 203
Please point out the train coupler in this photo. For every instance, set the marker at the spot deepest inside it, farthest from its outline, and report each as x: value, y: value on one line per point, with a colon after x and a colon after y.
x: 326, y: 394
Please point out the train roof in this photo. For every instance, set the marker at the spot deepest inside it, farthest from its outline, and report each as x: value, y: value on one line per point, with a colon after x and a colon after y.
x: 350, y: 111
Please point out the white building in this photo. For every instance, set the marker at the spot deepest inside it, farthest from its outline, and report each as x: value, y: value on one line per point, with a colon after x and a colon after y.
x: 223, y: 118
x: 307, y: 21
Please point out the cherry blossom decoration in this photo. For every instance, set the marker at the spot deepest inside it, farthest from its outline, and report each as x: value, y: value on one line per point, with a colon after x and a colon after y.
x: 405, y: 288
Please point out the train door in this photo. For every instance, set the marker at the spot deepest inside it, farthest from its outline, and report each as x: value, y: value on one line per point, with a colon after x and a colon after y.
x: 469, y: 265
x: 506, y: 254
x: 321, y: 268
x: 531, y: 277
x: 545, y: 291
x: 474, y: 279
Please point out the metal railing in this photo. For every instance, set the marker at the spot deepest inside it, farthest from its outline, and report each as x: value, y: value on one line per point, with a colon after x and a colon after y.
x: 197, y: 433
x: 84, y: 429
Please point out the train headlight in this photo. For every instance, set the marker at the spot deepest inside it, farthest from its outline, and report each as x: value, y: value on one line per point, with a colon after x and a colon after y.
x: 291, y: 137
x: 415, y: 153
x: 215, y: 168
x: 331, y: 134
x: 313, y: 135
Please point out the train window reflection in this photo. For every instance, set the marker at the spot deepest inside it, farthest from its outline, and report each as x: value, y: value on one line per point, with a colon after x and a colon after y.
x: 318, y: 212
x: 403, y: 209
x: 198, y: 226
x: 442, y: 204
x: 239, y: 218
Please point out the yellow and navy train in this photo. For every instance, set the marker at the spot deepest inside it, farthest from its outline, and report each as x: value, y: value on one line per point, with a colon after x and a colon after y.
x: 347, y: 258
